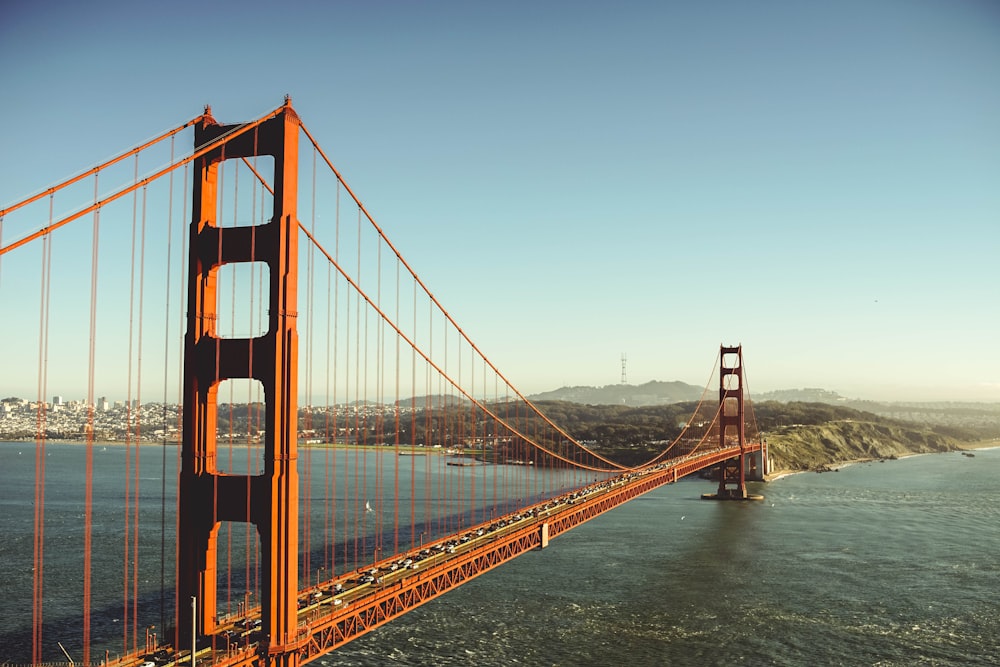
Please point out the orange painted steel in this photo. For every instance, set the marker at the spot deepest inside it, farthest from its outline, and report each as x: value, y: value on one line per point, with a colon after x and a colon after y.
x: 386, y: 604
x: 293, y: 630
x: 206, y: 496
x: 201, y: 150
x: 732, y: 473
x: 104, y: 165
x: 458, y: 329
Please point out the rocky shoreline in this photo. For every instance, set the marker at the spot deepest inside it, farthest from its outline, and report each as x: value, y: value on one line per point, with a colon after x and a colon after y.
x: 826, y: 447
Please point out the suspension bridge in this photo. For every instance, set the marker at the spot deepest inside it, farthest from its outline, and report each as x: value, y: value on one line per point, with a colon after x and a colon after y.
x: 343, y: 452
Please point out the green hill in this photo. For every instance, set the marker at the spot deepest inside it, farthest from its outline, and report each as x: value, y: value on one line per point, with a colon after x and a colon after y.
x: 801, y: 436
x: 804, y: 436
x: 816, y: 447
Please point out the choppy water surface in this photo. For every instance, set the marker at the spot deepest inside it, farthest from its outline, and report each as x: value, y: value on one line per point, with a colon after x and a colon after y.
x: 894, y: 563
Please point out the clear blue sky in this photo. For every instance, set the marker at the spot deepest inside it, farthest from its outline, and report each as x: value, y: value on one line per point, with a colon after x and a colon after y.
x: 819, y: 181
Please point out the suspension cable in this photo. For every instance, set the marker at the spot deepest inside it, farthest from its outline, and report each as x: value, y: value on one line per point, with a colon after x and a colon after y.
x: 208, y: 147
x: 441, y: 308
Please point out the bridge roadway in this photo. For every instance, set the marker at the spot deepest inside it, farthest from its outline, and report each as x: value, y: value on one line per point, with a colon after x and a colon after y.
x: 337, y: 611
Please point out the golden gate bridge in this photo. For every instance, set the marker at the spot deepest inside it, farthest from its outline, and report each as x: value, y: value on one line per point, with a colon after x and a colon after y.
x: 344, y: 452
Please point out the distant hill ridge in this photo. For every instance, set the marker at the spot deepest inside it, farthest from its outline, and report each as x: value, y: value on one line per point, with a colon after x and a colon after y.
x: 660, y: 393
x: 983, y: 418
x: 651, y: 393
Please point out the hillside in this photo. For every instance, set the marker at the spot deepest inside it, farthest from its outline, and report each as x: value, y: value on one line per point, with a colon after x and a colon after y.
x: 807, y: 436
x: 801, y: 436
x: 815, y: 447
x: 833, y: 428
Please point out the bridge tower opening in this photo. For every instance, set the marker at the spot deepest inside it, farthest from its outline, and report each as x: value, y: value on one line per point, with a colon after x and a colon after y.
x: 207, y: 495
x: 733, y: 472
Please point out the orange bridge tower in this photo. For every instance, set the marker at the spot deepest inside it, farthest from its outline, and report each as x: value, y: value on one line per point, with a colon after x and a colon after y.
x: 733, y: 472
x: 208, y: 496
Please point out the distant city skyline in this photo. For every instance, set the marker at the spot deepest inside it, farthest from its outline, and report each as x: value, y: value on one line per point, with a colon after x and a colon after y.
x: 577, y: 181
x: 238, y: 398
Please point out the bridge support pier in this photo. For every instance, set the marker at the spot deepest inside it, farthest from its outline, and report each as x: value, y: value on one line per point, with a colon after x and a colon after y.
x: 733, y: 475
x: 757, y: 465
x: 733, y: 472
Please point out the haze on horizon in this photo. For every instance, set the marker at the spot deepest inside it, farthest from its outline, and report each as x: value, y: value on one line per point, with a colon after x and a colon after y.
x: 891, y: 395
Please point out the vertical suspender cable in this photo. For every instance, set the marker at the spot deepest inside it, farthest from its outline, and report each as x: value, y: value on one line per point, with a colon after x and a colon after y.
x: 336, y: 394
x: 469, y: 435
x: 329, y: 484
x: 487, y: 427
x: 413, y: 424
x: 89, y: 465
x: 356, y: 421
x: 231, y: 435
x: 138, y: 426
x: 40, y: 436
x: 361, y: 386
x: 379, y: 399
x: 329, y: 436
x: 305, y: 453
x: 126, y: 607
x: 180, y: 400
x: 429, y: 508
x: 352, y: 456
x: 256, y: 297
x: 396, y: 426
x: 443, y: 429
x: 217, y: 377
x: 324, y: 564
x: 166, y: 375
x: 365, y: 361
x: 232, y: 389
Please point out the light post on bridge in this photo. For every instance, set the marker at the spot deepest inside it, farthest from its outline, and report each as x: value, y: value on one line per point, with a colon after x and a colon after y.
x: 246, y: 616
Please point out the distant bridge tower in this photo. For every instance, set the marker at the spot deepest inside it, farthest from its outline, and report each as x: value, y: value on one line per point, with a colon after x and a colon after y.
x: 733, y: 472
x: 208, y: 496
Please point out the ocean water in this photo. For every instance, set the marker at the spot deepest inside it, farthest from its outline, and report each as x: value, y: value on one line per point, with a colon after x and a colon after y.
x: 892, y: 563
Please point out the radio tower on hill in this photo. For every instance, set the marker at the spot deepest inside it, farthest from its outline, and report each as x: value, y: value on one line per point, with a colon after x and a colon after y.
x: 623, y: 369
